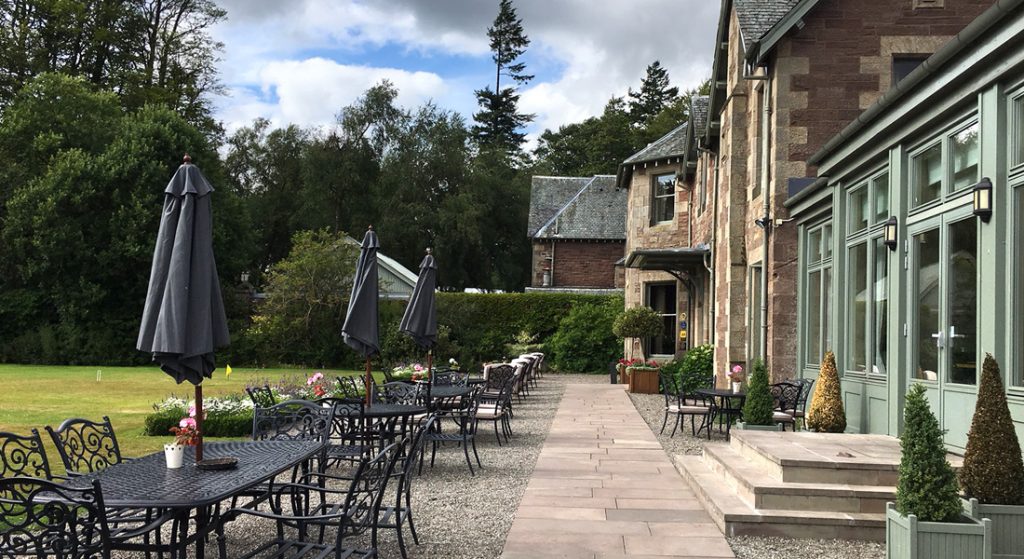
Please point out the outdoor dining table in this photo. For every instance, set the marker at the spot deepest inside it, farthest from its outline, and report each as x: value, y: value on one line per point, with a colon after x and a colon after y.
x: 148, y: 483
x: 724, y: 403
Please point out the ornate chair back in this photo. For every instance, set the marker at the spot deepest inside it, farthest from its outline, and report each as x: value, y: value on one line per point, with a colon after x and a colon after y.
x: 86, y: 446
x: 23, y: 456
x: 45, y: 519
x: 293, y: 420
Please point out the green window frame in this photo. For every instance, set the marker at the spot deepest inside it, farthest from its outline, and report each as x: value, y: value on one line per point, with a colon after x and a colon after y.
x: 1016, y: 128
x: 817, y: 297
x: 1016, y: 378
x: 754, y: 349
x: 945, y: 166
x: 866, y: 300
x: 663, y: 298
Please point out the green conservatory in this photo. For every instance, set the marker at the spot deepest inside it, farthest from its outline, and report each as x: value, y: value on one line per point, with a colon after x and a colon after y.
x: 912, y: 243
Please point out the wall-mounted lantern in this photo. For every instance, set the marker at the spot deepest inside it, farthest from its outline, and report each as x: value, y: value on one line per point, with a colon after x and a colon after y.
x: 983, y: 199
x: 891, y: 231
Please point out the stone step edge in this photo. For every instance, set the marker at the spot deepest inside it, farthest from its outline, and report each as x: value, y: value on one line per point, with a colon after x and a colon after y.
x: 727, y: 509
x: 740, y: 444
x: 760, y: 482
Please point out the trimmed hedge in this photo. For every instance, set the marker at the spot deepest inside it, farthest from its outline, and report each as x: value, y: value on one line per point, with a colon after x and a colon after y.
x: 584, y: 342
x: 233, y: 424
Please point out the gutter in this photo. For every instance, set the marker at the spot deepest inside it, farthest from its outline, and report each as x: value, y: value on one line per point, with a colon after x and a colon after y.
x: 933, y: 64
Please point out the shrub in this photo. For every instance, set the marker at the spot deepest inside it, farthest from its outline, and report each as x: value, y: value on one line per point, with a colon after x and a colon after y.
x: 236, y: 423
x: 638, y: 323
x: 826, y: 414
x: 927, y: 485
x: 993, y: 471
x: 694, y: 370
x: 759, y: 406
x: 584, y: 341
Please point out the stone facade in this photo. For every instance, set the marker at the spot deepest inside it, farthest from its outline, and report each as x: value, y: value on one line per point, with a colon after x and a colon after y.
x: 577, y: 263
x: 819, y: 77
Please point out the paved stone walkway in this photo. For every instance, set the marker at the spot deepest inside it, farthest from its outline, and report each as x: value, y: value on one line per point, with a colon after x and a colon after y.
x: 604, y: 488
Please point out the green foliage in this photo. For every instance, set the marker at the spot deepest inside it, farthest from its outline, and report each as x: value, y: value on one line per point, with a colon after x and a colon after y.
x: 306, y: 301
x: 654, y: 95
x: 826, y: 414
x: 638, y: 322
x: 993, y: 471
x: 584, y: 342
x: 927, y: 485
x: 217, y: 424
x: 757, y: 409
x: 694, y: 370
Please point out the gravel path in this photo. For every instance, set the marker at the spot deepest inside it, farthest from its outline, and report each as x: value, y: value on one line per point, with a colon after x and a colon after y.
x: 651, y: 407
x: 458, y: 516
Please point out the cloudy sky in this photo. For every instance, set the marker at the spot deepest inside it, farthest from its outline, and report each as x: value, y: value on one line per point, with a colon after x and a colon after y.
x: 300, y: 61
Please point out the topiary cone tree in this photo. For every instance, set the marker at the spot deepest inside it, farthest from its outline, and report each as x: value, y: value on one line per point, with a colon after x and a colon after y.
x: 927, y: 485
x: 993, y: 470
x: 826, y: 414
x: 758, y: 407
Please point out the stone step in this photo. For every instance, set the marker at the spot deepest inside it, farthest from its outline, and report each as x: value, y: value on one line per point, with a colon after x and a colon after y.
x: 736, y: 517
x: 805, y: 457
x: 755, y: 485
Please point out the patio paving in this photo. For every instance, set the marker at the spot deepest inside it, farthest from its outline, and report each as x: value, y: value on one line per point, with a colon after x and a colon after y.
x: 604, y: 488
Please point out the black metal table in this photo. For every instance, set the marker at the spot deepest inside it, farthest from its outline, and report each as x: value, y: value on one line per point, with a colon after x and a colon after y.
x: 147, y: 482
x: 724, y: 403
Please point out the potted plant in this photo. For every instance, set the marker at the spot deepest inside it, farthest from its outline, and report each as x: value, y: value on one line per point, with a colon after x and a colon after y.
x: 826, y: 414
x: 185, y: 434
x: 734, y: 377
x: 992, y: 477
x: 759, y: 407
x: 638, y: 323
x: 927, y: 521
x: 643, y: 376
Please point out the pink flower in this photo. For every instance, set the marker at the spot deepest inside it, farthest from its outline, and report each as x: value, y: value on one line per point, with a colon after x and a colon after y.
x: 192, y: 411
x: 736, y: 369
x: 417, y: 367
x: 187, y: 423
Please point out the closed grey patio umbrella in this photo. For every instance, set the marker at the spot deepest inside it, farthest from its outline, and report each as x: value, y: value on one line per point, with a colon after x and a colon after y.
x: 420, y: 318
x: 183, y: 319
x: 360, y: 329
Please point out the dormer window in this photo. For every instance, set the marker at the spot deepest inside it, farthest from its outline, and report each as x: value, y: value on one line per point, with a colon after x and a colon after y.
x: 663, y: 198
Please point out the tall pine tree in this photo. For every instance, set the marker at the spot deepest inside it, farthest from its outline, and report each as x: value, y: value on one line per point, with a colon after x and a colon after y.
x: 499, y: 121
x: 655, y: 95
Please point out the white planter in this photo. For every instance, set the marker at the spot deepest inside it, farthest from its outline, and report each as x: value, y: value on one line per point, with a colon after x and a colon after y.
x: 174, y: 453
x: 737, y: 387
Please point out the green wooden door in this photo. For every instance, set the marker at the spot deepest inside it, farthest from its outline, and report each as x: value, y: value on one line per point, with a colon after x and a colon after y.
x: 943, y: 317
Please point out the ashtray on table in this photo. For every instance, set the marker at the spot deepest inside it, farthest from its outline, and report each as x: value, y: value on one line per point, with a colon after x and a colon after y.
x: 217, y: 463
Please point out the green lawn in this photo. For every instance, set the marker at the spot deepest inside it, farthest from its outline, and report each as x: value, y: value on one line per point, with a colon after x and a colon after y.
x: 35, y: 396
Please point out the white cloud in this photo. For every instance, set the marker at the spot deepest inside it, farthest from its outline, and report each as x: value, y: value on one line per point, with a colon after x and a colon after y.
x: 319, y: 55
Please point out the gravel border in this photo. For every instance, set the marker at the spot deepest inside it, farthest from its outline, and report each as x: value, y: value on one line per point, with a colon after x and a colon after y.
x: 651, y: 408
x: 457, y: 516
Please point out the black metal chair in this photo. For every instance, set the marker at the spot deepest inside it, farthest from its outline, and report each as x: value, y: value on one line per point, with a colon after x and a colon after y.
x: 806, y: 389
x: 299, y: 509
x: 292, y: 420
x: 497, y: 375
x: 262, y: 397
x: 786, y: 396
x: 398, y: 514
x: 463, y: 410
x: 23, y: 456
x: 86, y: 446
x: 449, y: 378
x: 680, y: 405
x: 496, y: 408
x: 401, y: 393
x: 348, y: 387
x: 351, y: 438
x: 45, y: 519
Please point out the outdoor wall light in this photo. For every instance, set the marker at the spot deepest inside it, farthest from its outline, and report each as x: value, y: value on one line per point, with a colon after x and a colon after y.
x: 245, y: 277
x: 891, y: 240
x: 983, y: 199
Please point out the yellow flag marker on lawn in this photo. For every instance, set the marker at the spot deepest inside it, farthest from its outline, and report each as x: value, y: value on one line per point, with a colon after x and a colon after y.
x: 227, y: 371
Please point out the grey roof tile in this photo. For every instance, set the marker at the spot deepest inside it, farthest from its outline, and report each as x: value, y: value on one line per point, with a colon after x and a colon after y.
x: 548, y: 195
x: 670, y: 145
x: 757, y: 17
x: 596, y: 212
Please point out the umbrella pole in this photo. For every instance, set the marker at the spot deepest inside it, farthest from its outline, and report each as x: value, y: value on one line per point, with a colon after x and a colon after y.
x: 199, y: 423
x: 368, y: 383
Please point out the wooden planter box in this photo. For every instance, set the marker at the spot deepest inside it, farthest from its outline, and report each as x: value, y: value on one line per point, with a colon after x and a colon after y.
x: 1007, y: 527
x: 623, y: 377
x: 643, y: 380
x: 747, y: 427
x: 908, y: 538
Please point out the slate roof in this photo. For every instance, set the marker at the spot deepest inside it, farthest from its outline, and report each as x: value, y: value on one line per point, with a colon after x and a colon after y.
x: 699, y: 113
x: 757, y: 17
x: 672, y: 144
x: 548, y: 195
x: 597, y: 211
